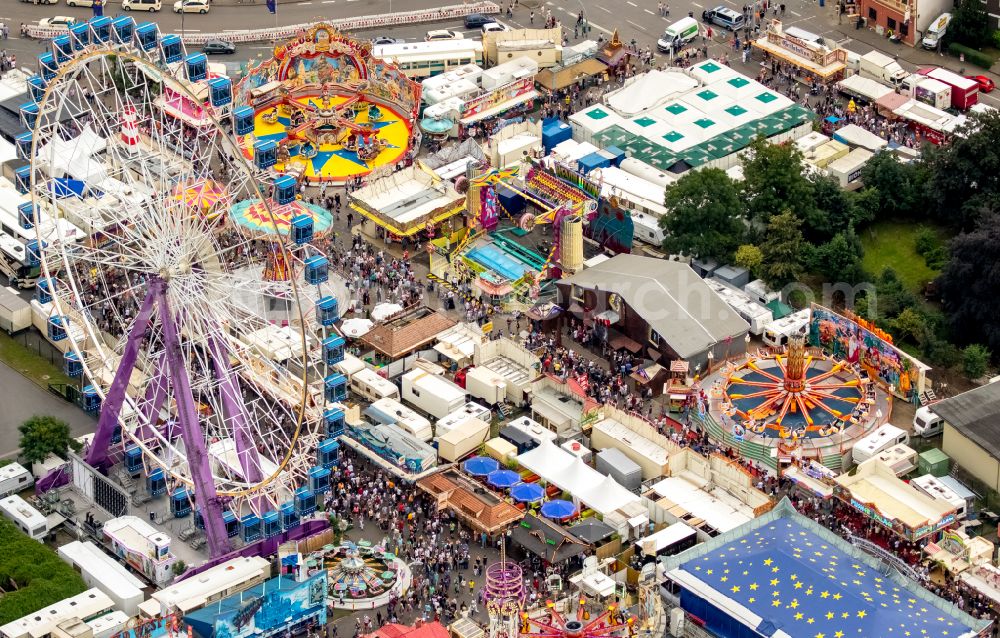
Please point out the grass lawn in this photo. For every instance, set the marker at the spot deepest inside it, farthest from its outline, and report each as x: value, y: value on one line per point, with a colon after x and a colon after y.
x: 893, y: 243
x: 29, y: 363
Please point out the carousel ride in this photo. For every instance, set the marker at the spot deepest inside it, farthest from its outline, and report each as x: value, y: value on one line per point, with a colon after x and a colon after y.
x: 795, y: 395
x: 362, y: 576
x: 581, y: 623
x: 331, y: 110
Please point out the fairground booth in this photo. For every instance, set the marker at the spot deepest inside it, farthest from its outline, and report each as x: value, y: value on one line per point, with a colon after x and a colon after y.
x: 876, y: 492
x: 801, y: 49
x: 325, y: 109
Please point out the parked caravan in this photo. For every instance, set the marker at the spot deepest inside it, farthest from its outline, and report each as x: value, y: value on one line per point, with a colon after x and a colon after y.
x: 14, y: 478
x: 885, y: 436
x: 370, y: 386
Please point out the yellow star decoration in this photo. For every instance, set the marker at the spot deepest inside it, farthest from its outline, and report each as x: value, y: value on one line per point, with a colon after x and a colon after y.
x: 837, y: 596
x: 861, y: 614
x: 753, y: 586
x: 810, y: 620
x: 768, y: 562
x: 735, y: 589
x: 799, y: 615
x: 824, y: 594
x: 776, y: 603
x: 838, y: 634
x: 829, y: 615
x: 774, y: 581
x: 820, y: 635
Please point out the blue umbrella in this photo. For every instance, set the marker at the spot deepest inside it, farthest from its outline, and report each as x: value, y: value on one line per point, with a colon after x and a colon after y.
x: 558, y: 509
x: 503, y: 479
x: 481, y: 465
x: 527, y: 492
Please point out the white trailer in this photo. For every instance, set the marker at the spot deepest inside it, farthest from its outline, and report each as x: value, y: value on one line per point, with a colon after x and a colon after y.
x: 485, y: 384
x: 432, y: 393
x: 884, y: 437
x: 27, y: 518
x: 15, y: 313
x: 777, y: 332
x: 755, y: 314
x: 103, y: 572
x: 468, y: 411
x: 462, y: 440
x: 14, y: 478
x: 863, y: 88
x: 392, y: 412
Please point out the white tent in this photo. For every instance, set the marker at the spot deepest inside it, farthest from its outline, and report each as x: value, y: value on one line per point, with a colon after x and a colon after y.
x: 648, y: 90
x: 607, y: 496
x: 546, y: 460
x: 577, y: 478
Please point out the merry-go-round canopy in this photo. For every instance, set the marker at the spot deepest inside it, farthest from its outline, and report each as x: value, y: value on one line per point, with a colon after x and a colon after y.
x: 253, y: 215
x: 203, y: 193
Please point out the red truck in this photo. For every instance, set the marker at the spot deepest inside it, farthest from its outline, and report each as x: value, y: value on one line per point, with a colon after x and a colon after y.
x: 964, y: 92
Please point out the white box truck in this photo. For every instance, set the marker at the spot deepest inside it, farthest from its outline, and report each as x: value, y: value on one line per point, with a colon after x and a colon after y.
x: 934, y: 33
x: 15, y: 313
x: 462, y: 440
x: 432, y: 393
x: 927, y: 90
x: 879, y: 66
x: 885, y: 436
x: 485, y: 384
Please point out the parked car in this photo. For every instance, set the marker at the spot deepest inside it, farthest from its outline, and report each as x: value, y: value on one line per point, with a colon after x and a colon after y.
x: 141, y: 5
x: 490, y: 27
x: 57, y: 21
x: 724, y: 17
x: 79, y: 3
x: 985, y: 84
x: 443, y: 34
x: 220, y: 47
x: 41, y: 1
x: 476, y: 20
x: 192, y: 6
x: 384, y: 39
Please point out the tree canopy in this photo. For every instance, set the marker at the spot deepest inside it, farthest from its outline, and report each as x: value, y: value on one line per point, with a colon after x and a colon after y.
x: 33, y: 575
x: 703, y: 216
x: 970, y: 24
x: 783, y: 250
x: 970, y: 284
x: 774, y: 182
x: 42, y: 435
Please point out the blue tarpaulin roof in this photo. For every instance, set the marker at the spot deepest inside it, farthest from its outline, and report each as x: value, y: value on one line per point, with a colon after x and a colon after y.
x: 481, y: 465
x: 806, y: 585
x: 63, y: 187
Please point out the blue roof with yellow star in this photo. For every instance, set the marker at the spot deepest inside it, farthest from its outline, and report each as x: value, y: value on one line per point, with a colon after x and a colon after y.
x: 798, y: 579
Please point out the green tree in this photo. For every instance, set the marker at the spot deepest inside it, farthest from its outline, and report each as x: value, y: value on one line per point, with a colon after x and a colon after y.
x: 703, y: 216
x: 838, y: 259
x: 975, y: 360
x: 835, y: 211
x: 42, y: 435
x: 774, y: 181
x: 970, y: 285
x: 962, y: 182
x: 970, y: 24
x: 891, y: 298
x: 783, y: 250
x: 909, y: 325
x: 891, y: 188
x: 179, y: 567
x: 750, y: 257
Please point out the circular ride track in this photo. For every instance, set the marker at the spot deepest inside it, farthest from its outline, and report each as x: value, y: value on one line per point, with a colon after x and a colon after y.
x: 201, y: 367
x: 333, y: 111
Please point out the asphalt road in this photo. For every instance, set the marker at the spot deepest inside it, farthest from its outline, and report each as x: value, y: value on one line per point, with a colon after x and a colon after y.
x: 638, y: 19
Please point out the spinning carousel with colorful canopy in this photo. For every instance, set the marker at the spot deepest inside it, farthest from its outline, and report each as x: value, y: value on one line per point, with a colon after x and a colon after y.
x: 360, y: 573
x: 613, y: 621
x: 330, y: 110
x: 793, y: 395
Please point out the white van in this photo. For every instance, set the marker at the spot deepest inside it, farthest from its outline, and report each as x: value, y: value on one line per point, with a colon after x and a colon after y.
x: 884, y: 437
x: 927, y: 424
x: 368, y: 385
x: 142, y: 5
x: 677, y: 35
x: 934, y: 33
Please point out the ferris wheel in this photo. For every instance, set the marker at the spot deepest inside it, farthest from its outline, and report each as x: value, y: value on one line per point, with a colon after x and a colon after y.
x: 206, y: 337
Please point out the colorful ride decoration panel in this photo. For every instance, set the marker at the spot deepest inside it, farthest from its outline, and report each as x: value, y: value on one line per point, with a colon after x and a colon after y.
x: 334, y: 111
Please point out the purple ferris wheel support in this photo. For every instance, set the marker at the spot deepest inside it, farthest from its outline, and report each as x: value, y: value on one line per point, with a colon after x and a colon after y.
x: 97, y: 454
x: 194, y: 441
x: 152, y: 402
x: 234, y: 413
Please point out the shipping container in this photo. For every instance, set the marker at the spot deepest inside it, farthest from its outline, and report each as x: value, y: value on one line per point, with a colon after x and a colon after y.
x: 462, y: 440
